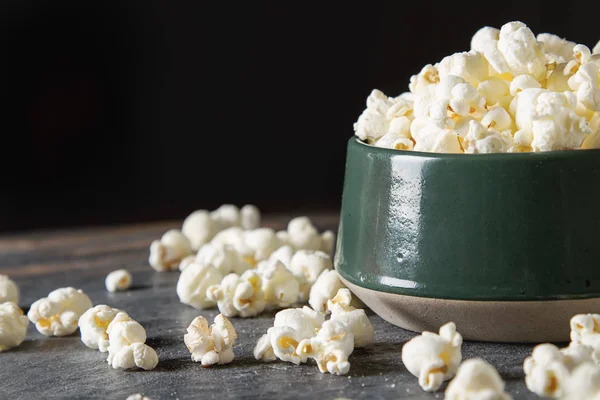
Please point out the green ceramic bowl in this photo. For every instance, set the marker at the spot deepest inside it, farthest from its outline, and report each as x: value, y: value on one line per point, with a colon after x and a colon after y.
x: 427, y: 237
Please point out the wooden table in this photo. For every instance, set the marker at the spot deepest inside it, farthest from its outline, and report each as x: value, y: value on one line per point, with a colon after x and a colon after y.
x: 53, y: 368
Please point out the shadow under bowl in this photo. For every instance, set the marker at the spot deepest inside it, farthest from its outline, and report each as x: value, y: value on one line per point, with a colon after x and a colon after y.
x: 505, y: 245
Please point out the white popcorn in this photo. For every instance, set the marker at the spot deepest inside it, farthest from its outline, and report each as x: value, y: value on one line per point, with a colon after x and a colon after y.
x: 471, y: 66
x: 494, y: 90
x: 226, y: 216
x: 545, y: 371
x: 283, y: 236
x: 522, y: 82
x: 480, y: 140
x: 194, y: 282
x: 235, y: 238
x: 222, y: 257
x: 307, y: 265
x: 263, y: 350
x: 585, y: 330
x: 138, y: 355
x: 58, y: 314
x: 476, y: 380
x: 428, y: 77
x: 93, y: 325
x: 239, y: 295
x: 250, y: 217
x: 399, y: 140
x: 585, y: 85
x: 187, y: 261
x: 212, y: 345
x: 549, y: 120
x: 483, y: 36
x: 356, y: 319
x: 138, y: 396
x: 433, y: 358
x: 557, y: 49
x: 279, y: 285
x: 13, y: 325
x: 330, y: 348
x: 380, y: 116
x: 199, y: 228
x: 261, y: 242
x: 324, y: 289
x: 328, y: 242
x: 118, y: 280
x: 596, y: 49
x: 283, y: 254
x: 584, y: 383
x: 9, y: 291
x: 167, y: 253
x: 581, y: 55
x: 303, y: 235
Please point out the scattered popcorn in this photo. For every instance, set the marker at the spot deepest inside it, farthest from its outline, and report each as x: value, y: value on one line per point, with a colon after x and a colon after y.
x: 193, y: 283
x: 279, y: 285
x: 263, y: 350
x: 433, y: 358
x: 13, y: 325
x: 9, y: 291
x: 283, y: 254
x: 226, y: 216
x: 261, y: 242
x: 93, y: 325
x: 250, y: 217
x: 222, y: 257
x: 58, y: 314
x: 126, y: 348
x: 307, y: 265
x: 330, y: 348
x: 118, y: 280
x: 303, y: 235
x: 585, y: 330
x: 199, y: 228
x: 212, y: 345
x: 328, y: 242
x: 584, y: 383
x: 167, y: 253
x: 238, y: 295
x: 325, y: 288
x: 476, y: 380
x: 448, y: 103
x: 356, y: 319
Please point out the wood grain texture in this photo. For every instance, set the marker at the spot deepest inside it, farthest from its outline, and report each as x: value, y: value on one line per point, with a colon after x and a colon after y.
x: 56, y: 368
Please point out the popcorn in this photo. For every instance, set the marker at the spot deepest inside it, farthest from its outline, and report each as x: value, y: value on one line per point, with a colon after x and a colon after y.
x: 585, y: 85
x: 433, y: 358
x: 194, y: 282
x: 9, y: 291
x: 328, y: 242
x: 476, y: 380
x: 199, y: 228
x: 545, y: 371
x: 581, y: 55
x: 167, y: 253
x: 557, y: 49
x: 222, y: 257
x: 138, y: 396
x: 303, y: 235
x: 93, y: 325
x: 279, y: 285
x: 584, y: 383
x: 58, y: 314
x: 263, y: 350
x: 126, y: 348
x: 307, y: 265
x: 239, y: 295
x: 212, y: 345
x: 261, y: 242
x: 13, y: 325
x: 330, y: 348
x: 483, y: 37
x: 481, y: 140
x: 521, y: 52
x: 493, y: 90
x: 470, y: 66
x: 325, y: 288
x: 428, y: 77
x: 118, y: 280
x: 226, y: 216
x: 283, y: 254
x: 356, y: 320
x: 250, y: 217
x: 596, y: 49
x: 522, y: 82
x: 585, y: 330
x: 187, y: 261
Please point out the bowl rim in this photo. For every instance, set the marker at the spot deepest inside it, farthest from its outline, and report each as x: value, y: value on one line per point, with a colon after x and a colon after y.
x: 529, y: 156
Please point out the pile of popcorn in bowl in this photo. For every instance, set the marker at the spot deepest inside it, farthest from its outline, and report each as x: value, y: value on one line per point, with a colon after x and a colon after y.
x: 512, y: 92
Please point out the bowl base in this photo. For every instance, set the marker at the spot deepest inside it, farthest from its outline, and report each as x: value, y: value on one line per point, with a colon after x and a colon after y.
x: 490, y: 321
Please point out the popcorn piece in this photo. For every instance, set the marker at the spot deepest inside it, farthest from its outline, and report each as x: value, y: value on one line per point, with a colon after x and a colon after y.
x: 118, y: 280
x: 585, y: 84
x: 303, y: 235
x: 549, y: 120
x: 212, y: 345
x: 239, y: 295
x: 283, y: 236
x: 235, y: 238
x: 58, y: 314
x: 428, y: 77
x: 328, y: 242
x: 585, y: 330
x: 432, y: 138
x: 545, y: 371
x: 596, y: 49
x: 484, y: 36
x: 557, y: 49
x: 480, y: 140
x: 167, y: 253
x: 307, y: 265
x: 250, y: 217
x: 263, y: 349
x: 138, y: 355
x: 476, y: 380
x: 324, y: 289
x: 194, y: 282
x: 262, y: 242
x: 9, y: 291
x: 13, y: 325
x: 222, y: 257
x: 522, y: 82
x: 380, y: 116
x: 138, y: 396
x: 399, y: 140
x: 433, y: 358
x: 279, y: 285
x: 283, y: 254
x: 330, y: 348
x: 493, y: 90
x: 584, y: 383
x: 226, y: 216
x: 581, y: 55
x: 471, y: 66
x: 187, y: 261
x: 356, y: 320
x: 199, y: 228
x: 93, y: 325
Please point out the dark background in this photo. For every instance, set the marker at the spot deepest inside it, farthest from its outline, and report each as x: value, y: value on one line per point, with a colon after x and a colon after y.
x: 124, y: 111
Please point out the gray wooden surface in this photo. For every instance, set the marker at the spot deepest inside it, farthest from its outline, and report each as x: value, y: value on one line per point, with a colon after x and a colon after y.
x: 57, y: 368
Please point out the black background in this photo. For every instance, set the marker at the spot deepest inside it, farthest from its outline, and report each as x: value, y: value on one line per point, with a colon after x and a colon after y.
x: 142, y: 110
